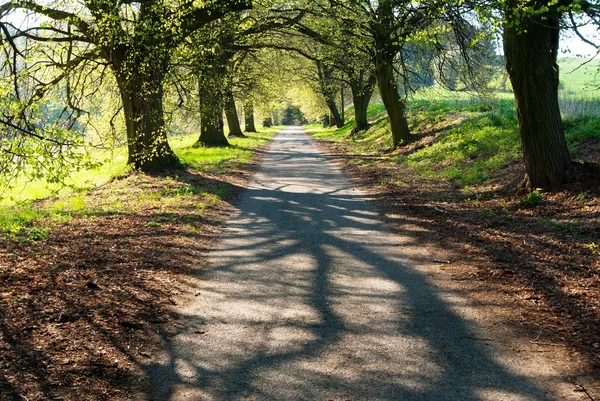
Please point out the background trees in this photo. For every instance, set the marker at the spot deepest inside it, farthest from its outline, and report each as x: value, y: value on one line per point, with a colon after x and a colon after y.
x: 391, y: 40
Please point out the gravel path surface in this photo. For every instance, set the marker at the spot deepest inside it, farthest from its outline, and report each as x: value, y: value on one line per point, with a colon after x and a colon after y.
x: 310, y: 297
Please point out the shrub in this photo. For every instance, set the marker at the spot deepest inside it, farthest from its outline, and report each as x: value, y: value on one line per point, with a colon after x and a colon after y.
x: 533, y: 199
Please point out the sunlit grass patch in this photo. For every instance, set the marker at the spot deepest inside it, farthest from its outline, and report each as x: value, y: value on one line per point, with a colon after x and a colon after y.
x: 113, y: 165
x: 26, y: 217
x: 464, y: 140
x: 32, y: 221
x: 579, y: 77
x: 467, y: 155
x: 219, y: 159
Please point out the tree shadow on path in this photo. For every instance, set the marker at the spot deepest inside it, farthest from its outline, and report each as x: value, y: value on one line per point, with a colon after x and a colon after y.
x: 310, y: 297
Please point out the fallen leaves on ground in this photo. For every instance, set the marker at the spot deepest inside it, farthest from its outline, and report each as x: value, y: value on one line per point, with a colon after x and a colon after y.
x: 84, y: 309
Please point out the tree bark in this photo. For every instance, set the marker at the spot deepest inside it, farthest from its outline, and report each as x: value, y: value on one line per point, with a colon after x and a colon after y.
x: 335, y: 119
x: 332, y: 119
x: 231, y: 114
x: 362, y: 90
x: 394, y: 105
x: 342, y: 105
x: 142, y: 99
x: 249, y: 116
x: 326, y: 85
x: 531, y: 49
x: 212, y: 131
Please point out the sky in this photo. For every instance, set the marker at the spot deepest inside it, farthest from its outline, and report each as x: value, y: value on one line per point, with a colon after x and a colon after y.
x: 572, y: 46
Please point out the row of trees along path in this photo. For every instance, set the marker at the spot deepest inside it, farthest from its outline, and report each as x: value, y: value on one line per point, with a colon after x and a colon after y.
x: 73, y: 50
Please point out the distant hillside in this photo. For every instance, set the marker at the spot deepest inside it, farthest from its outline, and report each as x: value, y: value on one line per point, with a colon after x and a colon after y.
x: 579, y: 77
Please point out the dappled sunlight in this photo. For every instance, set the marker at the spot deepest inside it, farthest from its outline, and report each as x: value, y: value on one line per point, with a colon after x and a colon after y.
x: 308, y: 296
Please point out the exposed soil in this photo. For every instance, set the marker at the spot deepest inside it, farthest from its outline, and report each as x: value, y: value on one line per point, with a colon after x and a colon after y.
x: 542, y: 258
x: 83, y: 310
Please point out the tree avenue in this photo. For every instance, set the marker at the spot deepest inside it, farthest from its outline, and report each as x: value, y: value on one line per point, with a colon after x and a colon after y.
x: 385, y: 35
x: 222, y: 52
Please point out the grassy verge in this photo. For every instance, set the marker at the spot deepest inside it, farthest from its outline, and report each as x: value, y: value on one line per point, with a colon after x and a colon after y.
x: 465, y: 141
x: 33, y: 209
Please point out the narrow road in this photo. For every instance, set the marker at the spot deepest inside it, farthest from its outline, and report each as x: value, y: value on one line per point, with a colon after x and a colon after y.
x: 310, y: 297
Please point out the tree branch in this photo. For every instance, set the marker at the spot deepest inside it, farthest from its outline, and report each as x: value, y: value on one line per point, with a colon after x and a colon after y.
x: 57, y: 15
x: 199, y: 17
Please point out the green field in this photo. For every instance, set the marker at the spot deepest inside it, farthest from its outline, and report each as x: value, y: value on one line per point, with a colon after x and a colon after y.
x: 579, y: 77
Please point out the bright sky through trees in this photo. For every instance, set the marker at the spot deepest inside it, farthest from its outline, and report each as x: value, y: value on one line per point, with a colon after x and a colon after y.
x: 571, y: 45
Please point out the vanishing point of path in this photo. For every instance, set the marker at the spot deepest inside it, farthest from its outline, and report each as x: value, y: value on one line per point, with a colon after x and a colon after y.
x: 309, y: 297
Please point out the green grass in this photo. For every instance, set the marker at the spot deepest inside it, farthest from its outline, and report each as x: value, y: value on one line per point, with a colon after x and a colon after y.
x: 580, y: 129
x: 313, y: 127
x: 468, y: 138
x: 220, y: 158
x: 376, y: 113
x: 25, y: 221
x: 25, y: 217
x: 476, y: 139
x: 579, y: 79
x: 113, y: 165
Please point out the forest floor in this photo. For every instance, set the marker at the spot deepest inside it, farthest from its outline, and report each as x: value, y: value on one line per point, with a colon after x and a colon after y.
x: 83, y: 307
x: 541, y: 254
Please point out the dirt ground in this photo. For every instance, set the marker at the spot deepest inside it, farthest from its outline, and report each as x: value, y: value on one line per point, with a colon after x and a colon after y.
x: 82, y: 309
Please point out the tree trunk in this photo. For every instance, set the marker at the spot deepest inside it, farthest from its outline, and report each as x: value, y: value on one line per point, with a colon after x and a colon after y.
x: 212, y: 132
x: 361, y: 106
x: 249, y: 116
x: 535, y: 85
x: 342, y: 105
x: 326, y: 84
x: 231, y: 113
x: 142, y: 98
x: 336, y: 119
x: 394, y: 105
x: 361, y: 96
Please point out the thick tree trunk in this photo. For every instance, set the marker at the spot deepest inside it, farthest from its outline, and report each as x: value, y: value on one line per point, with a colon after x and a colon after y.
x: 361, y: 106
x: 335, y: 119
x: 249, y: 116
x: 212, y: 131
x: 394, y: 105
x: 147, y: 143
x: 231, y: 113
x: 531, y: 49
x: 361, y: 96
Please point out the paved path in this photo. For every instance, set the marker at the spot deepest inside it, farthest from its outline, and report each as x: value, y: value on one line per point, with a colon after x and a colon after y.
x: 309, y: 297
